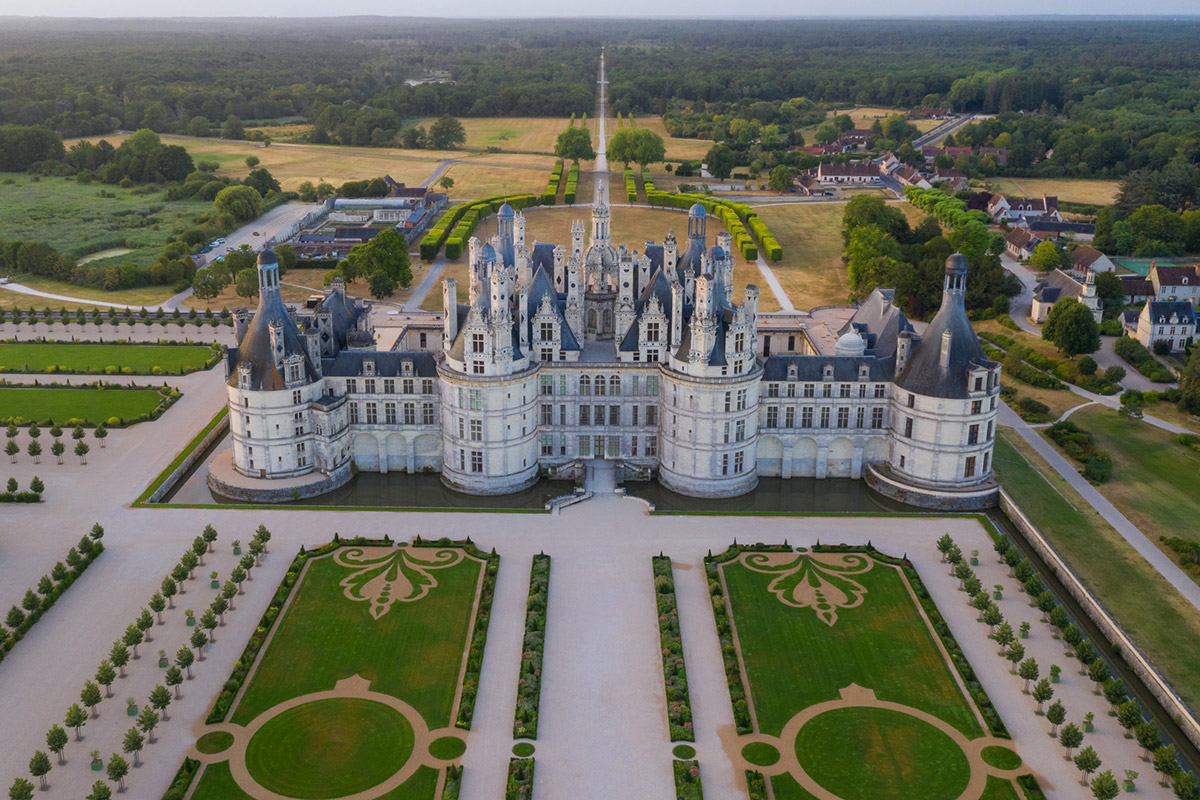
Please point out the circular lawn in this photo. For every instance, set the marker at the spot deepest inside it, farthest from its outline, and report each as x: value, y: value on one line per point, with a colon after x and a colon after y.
x: 869, y: 753
x: 329, y: 748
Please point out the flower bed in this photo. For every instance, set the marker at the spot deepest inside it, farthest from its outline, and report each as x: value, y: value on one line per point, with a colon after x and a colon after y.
x: 520, y: 779
x: 687, y: 780
x: 679, y: 704
x: 529, y: 682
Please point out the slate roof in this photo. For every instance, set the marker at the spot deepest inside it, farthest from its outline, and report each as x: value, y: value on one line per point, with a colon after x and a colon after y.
x: 1057, y: 285
x: 1174, y: 275
x: 1161, y: 312
x: 254, y: 350
x: 879, y: 321
x: 388, y: 364
x: 812, y: 368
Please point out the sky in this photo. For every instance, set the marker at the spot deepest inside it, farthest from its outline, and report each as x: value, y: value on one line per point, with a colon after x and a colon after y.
x: 608, y: 8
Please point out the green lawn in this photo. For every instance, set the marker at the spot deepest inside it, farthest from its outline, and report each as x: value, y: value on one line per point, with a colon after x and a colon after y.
x: 1162, y: 623
x: 329, y: 748
x: 94, y: 358
x: 794, y: 660
x: 868, y: 753
x: 91, y: 404
x: 1154, y: 478
x: 75, y: 220
x: 786, y: 788
x: 413, y: 652
x: 216, y: 783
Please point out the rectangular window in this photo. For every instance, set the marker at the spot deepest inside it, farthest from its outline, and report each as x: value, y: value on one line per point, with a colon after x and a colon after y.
x: 806, y: 417
x: 651, y: 415
x: 614, y: 446
x: 598, y: 415
x: 772, y: 390
x: 562, y: 414
x: 844, y: 390
x: 973, y: 434
x: 585, y: 415
x: 729, y: 401
x: 585, y: 446
x: 989, y: 438
x: 389, y: 413
x: 908, y: 427
x: 651, y: 384
x: 476, y: 400
x: 772, y: 416
x: 407, y: 385
x: 860, y: 418
x: 741, y: 400
x: 389, y: 386
x: 825, y: 416
x: 546, y: 384
x: 827, y: 390
x: 634, y: 412
x: 476, y: 461
x: 739, y: 462
x: 912, y: 401
x: 633, y: 443
x: 976, y: 406
x: 369, y: 386
x: 547, y: 444
x: 476, y: 342
x: 969, y: 467
x: 546, y: 332
x: 879, y: 390
x: 740, y: 434
x: 614, y: 415
x: 427, y: 386
x: 410, y: 413
x: 986, y: 458
x: 546, y: 354
x: 843, y: 419
x: 789, y: 417
x: 598, y: 446
x: 562, y: 384
x: 297, y: 397
x: 547, y: 414
x: 476, y: 427
x: 600, y: 386
x: 652, y: 331
x: 351, y: 386
x: 979, y: 383
x: 726, y: 439
x: 877, y: 418
x: 651, y: 446
x: 427, y: 413
x: 862, y: 390
x: 462, y: 425
x: 810, y: 390
x: 725, y: 464
x: 562, y: 443
x: 371, y: 414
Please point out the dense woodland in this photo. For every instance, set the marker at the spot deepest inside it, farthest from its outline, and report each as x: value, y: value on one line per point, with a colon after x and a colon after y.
x: 1108, y: 97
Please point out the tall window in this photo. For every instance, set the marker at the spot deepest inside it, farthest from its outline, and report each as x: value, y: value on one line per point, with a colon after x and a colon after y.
x: 546, y: 384
x: 585, y: 415
x: 651, y: 415
x: 652, y: 331
x: 476, y: 342
x: 879, y: 390
x: 427, y: 413
x: 908, y: 427
x: 614, y: 385
x: 772, y: 416
x: 410, y: 413
x: 476, y: 427
x: 844, y: 390
x: 547, y: 417
x: 476, y: 400
x: 371, y: 414
x: 741, y: 399
x: 585, y: 384
x: 598, y: 415
x: 389, y: 413
x: 772, y: 390
x: 614, y: 415
x: 547, y: 444
x: 546, y: 333
x: 407, y: 385
x: 825, y: 416
x: 369, y: 386
x: 740, y: 433
x: 789, y: 417
x: 877, y: 418
x: 600, y: 385
x: 297, y: 397
x: 352, y: 386
x: 651, y: 446
x: 861, y: 418
x: 739, y: 462
x: 476, y: 461
x: 729, y: 401
x: 973, y: 434
x: 389, y: 385
x: 806, y: 417
x: 843, y: 419
x: 969, y: 467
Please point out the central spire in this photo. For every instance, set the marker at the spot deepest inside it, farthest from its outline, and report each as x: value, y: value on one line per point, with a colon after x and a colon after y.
x: 600, y: 232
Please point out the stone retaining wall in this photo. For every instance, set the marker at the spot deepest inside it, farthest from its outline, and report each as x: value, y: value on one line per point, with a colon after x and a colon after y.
x: 879, y: 479
x: 1137, y: 661
x: 282, y: 494
x: 219, y: 430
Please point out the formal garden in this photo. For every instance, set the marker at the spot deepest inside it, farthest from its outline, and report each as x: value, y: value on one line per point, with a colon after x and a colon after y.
x: 103, y: 358
x: 843, y: 688
x: 359, y: 679
x: 90, y: 404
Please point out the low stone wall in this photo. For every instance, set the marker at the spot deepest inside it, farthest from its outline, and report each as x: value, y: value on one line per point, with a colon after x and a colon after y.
x: 921, y: 497
x: 1137, y: 661
x: 219, y: 430
x: 281, y: 494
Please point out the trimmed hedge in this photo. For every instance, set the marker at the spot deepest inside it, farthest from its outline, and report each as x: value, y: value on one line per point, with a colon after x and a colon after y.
x: 182, y: 780
x: 630, y: 186
x: 734, y: 215
x: 167, y: 398
x: 756, y: 785
x: 679, y: 704
x: 1133, y: 352
x: 529, y: 681
x: 550, y: 197
x: 453, y: 783
x: 687, y: 780
x: 456, y: 225
x: 88, y: 550
x: 572, y: 184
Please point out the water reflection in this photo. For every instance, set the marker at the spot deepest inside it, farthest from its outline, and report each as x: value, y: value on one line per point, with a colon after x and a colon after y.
x: 777, y: 495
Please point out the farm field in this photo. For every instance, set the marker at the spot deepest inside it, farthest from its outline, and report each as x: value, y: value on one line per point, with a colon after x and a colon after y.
x: 838, y: 683
x: 94, y: 358
x: 676, y: 148
x: 811, y: 271
x: 75, y: 220
x: 1072, y: 190
x: 530, y: 134
x: 372, y: 642
x: 479, y: 180
x: 1160, y: 620
x: 91, y: 405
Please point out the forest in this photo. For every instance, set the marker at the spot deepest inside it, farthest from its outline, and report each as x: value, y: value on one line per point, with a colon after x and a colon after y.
x: 1108, y: 97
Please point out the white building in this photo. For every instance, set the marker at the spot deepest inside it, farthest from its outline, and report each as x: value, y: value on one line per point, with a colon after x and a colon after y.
x: 564, y: 355
x: 1170, y: 321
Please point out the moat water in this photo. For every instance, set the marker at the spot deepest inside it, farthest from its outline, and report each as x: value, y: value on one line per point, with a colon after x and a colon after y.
x: 426, y: 490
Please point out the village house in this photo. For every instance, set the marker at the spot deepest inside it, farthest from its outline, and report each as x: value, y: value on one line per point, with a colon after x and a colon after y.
x: 911, y: 177
x: 1175, y: 282
x: 1000, y: 153
x: 1020, y: 244
x: 1058, y: 285
x: 950, y: 180
x: 1136, y: 288
x: 1169, y: 321
x: 1001, y: 208
x: 1085, y: 259
x: 865, y: 172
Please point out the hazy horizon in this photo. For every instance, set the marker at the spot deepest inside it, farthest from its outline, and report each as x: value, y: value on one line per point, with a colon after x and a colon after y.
x: 616, y: 9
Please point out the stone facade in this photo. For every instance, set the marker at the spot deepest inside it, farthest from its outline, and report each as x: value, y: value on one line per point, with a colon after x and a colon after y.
x: 568, y: 354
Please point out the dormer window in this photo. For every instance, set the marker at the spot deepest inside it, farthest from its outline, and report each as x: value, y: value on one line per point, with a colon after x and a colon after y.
x: 827, y: 373
x: 243, y: 377
x: 792, y: 372
x: 406, y: 367
x: 368, y: 366
x: 864, y: 372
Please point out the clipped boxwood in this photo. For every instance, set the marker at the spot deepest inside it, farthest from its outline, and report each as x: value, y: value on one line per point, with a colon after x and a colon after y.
x: 679, y: 704
x: 529, y: 684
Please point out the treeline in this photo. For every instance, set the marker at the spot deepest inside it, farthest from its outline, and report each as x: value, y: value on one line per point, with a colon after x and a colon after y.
x: 174, y: 267
x: 1157, y: 213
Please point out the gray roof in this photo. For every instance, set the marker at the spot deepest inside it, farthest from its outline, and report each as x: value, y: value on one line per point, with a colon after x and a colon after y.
x: 387, y: 363
x: 1057, y: 285
x: 254, y: 349
x: 879, y: 321
x: 1161, y: 311
x: 924, y: 374
x: 812, y: 368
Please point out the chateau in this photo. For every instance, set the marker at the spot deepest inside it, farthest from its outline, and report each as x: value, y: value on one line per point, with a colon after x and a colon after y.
x: 564, y: 355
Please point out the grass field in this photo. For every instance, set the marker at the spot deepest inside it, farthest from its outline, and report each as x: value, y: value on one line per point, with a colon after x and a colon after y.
x: 786, y: 788
x: 93, y: 358
x: 479, y: 180
x: 812, y: 272
x: 676, y: 148
x: 1074, y: 190
x: 1154, y: 477
x: 59, y: 405
x: 413, y: 651
x: 1162, y: 623
x: 535, y: 134
x: 75, y: 220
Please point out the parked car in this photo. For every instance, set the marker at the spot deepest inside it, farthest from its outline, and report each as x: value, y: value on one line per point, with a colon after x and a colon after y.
x: 256, y: 233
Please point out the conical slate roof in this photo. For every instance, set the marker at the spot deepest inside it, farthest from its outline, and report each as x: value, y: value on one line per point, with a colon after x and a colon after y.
x: 255, y: 348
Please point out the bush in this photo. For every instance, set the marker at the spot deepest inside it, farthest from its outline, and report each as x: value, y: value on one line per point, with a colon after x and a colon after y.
x: 1087, y: 366
x: 1132, y: 352
x: 1110, y: 327
x: 530, y: 680
x: 1031, y: 410
x: 679, y: 706
x: 1077, y: 443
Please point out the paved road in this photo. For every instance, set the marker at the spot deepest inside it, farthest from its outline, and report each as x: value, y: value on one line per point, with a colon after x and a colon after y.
x: 1020, y: 305
x: 273, y: 223
x: 426, y: 285
x: 941, y: 131
x: 785, y: 302
x: 601, y: 146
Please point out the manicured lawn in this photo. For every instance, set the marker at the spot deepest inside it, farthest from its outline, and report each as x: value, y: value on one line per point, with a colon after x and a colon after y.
x: 93, y: 358
x: 868, y: 753
x: 214, y: 742
x: 1154, y: 477
x: 1162, y: 623
x: 794, y: 660
x: 329, y: 748
x: 60, y: 405
x: 413, y: 652
x: 1001, y: 757
x: 216, y: 783
x: 786, y: 788
x: 447, y: 747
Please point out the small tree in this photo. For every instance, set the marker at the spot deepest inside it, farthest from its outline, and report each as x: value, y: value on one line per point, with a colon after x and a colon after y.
x: 35, y: 449
x: 1087, y: 762
x: 1114, y: 693
x: 1129, y: 716
x: 210, y: 536
x: 219, y: 606
x: 1187, y: 787
x: 39, y: 767
x: 76, y: 718
x: 100, y: 791
x: 944, y: 543
x: 198, y: 640
x: 145, y: 622
x: 1003, y: 636
x: 36, y: 485
x: 101, y: 434
x: 158, y: 604
x: 11, y: 449
x: 256, y: 550
x: 169, y: 589
x: 1015, y: 654
x: 1042, y: 692
x: 208, y: 621
x: 1055, y: 715
x: 1028, y: 671
x: 185, y: 658
x: 174, y: 678
x: 1070, y: 737
x: 81, y: 450
x: 58, y: 448
x: 132, y: 638
x: 119, y: 656
x: 21, y: 789
x: 237, y: 576
x: 199, y: 547
x: 117, y: 769
x: 1105, y: 786
x: 133, y: 743
x: 1098, y: 671
x: 180, y: 575
x: 56, y: 741
x: 90, y: 697
x: 160, y: 698
x: 1148, y: 738
x: 77, y: 433
x: 228, y: 591
x: 105, y: 675
x: 190, y: 561
x: 1166, y: 763
x: 146, y: 721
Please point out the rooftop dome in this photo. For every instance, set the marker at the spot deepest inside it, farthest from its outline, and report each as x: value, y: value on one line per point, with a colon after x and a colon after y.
x: 697, y: 212
x: 267, y: 256
x: 850, y: 344
x: 487, y: 253
x: 506, y: 211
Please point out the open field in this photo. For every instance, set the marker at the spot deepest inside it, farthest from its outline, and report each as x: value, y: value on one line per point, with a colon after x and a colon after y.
x: 1072, y: 190
x: 812, y: 272
x: 1162, y: 623
x: 534, y: 134
x: 676, y: 148
x: 478, y: 180
x: 1058, y: 400
x: 91, y: 405
x: 75, y: 220
x: 1154, y: 477
x: 137, y: 296
x: 94, y: 358
x: 398, y: 618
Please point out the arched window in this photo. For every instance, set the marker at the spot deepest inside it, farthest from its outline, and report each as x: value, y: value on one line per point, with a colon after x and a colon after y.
x: 585, y: 384
x: 599, y: 384
x: 614, y: 385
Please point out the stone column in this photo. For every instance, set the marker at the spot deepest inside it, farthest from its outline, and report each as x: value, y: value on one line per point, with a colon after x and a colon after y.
x: 822, y: 461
